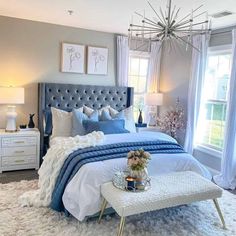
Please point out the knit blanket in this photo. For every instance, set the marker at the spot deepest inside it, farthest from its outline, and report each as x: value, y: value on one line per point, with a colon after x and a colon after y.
x: 60, y: 149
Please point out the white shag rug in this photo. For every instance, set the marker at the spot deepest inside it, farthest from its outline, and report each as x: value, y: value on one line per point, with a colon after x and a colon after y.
x: 199, y: 219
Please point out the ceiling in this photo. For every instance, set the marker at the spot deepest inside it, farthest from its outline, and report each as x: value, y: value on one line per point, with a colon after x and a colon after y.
x: 106, y: 15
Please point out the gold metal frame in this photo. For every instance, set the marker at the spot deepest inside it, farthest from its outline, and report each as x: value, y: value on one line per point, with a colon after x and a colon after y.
x: 219, y: 213
x: 122, y: 219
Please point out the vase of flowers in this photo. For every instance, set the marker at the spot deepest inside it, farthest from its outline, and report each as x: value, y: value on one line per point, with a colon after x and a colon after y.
x: 137, y: 164
x: 172, y: 120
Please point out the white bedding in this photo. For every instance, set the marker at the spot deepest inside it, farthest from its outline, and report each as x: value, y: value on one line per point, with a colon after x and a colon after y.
x: 82, y: 195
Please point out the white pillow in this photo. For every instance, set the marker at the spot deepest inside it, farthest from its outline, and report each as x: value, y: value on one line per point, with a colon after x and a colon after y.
x: 129, y: 118
x: 61, y: 122
x: 88, y: 111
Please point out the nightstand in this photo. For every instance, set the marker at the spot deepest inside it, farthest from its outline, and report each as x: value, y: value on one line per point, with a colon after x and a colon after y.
x: 148, y: 128
x: 19, y: 150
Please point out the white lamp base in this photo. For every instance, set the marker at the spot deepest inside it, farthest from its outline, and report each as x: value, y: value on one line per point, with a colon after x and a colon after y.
x: 11, y: 119
x: 152, y: 119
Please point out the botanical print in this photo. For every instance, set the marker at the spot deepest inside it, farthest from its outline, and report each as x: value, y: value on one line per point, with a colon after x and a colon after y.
x: 73, y: 58
x: 97, y: 60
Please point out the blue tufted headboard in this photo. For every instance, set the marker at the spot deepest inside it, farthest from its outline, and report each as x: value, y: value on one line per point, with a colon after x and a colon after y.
x: 69, y: 96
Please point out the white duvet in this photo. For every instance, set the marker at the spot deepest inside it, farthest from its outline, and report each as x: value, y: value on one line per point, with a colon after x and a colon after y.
x: 82, y: 195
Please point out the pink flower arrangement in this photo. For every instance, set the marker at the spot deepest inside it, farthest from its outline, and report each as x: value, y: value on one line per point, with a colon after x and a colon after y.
x: 172, y: 120
x: 138, y: 160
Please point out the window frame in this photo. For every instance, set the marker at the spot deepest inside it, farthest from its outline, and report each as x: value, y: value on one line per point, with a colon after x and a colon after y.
x: 139, y: 55
x: 207, y: 148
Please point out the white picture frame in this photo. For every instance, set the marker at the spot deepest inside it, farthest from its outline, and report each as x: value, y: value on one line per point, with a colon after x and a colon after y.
x: 73, y: 58
x: 97, y: 60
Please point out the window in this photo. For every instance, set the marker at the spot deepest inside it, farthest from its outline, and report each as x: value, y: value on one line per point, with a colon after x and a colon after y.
x: 214, y: 102
x: 138, y: 69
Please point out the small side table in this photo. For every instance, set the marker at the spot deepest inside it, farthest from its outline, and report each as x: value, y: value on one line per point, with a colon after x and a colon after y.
x: 19, y: 150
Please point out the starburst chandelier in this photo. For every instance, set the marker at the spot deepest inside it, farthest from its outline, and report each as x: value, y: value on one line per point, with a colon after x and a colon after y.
x: 166, y: 25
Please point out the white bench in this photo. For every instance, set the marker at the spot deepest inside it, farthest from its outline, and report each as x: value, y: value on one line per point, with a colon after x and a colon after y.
x: 168, y: 190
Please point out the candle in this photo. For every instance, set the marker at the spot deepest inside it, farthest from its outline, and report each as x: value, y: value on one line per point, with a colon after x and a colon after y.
x: 130, y: 183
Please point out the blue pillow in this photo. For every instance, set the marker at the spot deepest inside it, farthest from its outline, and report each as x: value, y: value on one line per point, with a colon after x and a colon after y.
x: 105, y: 115
x: 107, y: 127
x: 77, y: 121
x: 48, y: 121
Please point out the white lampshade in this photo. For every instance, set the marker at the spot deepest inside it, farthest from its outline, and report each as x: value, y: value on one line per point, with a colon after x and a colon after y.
x: 154, y: 99
x: 12, y: 95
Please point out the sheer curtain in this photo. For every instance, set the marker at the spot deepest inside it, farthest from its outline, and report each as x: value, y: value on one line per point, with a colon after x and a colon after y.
x: 122, y: 60
x: 153, y: 75
x: 227, y: 178
x: 195, y: 88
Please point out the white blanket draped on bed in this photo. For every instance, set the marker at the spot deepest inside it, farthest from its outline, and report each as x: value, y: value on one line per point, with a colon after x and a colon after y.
x: 82, y: 195
x: 60, y: 149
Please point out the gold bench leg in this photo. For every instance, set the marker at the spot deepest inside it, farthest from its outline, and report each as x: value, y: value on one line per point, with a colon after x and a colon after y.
x: 104, y: 205
x: 219, y: 212
x: 121, y: 227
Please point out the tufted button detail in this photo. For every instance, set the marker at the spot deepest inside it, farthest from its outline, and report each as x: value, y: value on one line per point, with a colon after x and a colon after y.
x: 72, y: 98
x: 67, y: 90
x: 58, y: 90
x: 49, y: 90
x: 76, y: 105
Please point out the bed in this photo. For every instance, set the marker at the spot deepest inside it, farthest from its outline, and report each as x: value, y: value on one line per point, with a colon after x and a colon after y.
x: 81, y: 195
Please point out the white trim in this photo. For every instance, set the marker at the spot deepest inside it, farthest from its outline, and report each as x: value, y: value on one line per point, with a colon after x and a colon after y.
x: 139, y: 54
x: 223, y: 49
x: 208, y: 150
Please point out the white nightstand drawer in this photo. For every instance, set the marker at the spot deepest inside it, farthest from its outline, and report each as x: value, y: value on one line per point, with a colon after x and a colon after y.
x: 12, y: 161
x: 18, y: 141
x: 19, y: 151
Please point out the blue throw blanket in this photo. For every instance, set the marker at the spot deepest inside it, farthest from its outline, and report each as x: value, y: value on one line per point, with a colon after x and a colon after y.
x: 101, y: 153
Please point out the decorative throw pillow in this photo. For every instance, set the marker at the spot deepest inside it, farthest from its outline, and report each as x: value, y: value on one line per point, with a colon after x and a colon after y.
x: 61, y: 122
x: 105, y: 115
x: 129, y: 118
x: 107, y: 127
x: 77, y: 121
x: 88, y: 111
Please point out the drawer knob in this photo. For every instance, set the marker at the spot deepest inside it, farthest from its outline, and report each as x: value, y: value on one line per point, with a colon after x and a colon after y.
x: 19, y: 161
x: 19, y: 151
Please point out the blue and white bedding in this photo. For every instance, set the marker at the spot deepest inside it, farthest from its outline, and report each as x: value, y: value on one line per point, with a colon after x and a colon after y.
x: 81, y: 196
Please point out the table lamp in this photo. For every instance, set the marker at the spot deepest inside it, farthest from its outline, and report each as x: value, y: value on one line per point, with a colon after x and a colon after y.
x: 153, y: 100
x: 11, y: 96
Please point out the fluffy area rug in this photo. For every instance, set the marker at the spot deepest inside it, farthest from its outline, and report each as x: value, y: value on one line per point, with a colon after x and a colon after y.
x: 199, y: 219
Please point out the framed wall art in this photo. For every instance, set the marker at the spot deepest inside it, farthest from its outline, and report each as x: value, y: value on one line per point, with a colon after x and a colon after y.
x: 73, y: 58
x: 97, y: 60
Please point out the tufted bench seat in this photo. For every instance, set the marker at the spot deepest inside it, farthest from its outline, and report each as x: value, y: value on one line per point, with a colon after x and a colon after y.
x: 168, y: 190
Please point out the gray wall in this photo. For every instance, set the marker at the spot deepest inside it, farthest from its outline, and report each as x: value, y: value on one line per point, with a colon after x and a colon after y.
x: 30, y: 53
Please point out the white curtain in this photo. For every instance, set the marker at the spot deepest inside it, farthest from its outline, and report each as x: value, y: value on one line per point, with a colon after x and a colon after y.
x: 154, y: 68
x: 198, y: 66
x: 227, y: 178
x: 122, y: 60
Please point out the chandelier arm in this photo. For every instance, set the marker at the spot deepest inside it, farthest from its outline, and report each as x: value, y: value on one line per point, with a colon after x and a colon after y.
x: 187, y: 26
x: 162, y: 15
x: 172, y: 14
x: 204, y: 12
x: 156, y: 25
x: 182, y: 24
x: 190, y: 44
x: 169, y: 12
x: 190, y: 13
x: 176, y: 15
x: 155, y: 12
x: 143, y: 27
x: 145, y: 18
x: 154, y: 32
